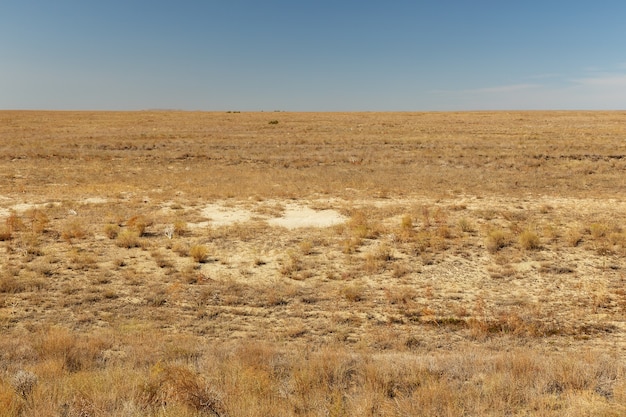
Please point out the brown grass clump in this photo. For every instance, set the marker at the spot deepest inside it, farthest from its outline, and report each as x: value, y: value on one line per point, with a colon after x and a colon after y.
x: 529, y: 240
x: 38, y: 220
x: 598, y: 230
x: 6, y: 232
x: 496, y: 240
x: 74, y: 229
x: 128, y: 239
x: 465, y: 225
x: 180, y: 228
x: 354, y: 292
x: 111, y: 230
x: 199, y: 253
x: 139, y: 224
x: 573, y: 237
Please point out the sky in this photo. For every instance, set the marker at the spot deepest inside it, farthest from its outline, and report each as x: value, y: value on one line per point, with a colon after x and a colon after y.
x: 323, y: 55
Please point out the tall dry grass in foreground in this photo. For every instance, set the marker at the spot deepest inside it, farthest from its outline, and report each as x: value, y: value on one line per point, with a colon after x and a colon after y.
x: 56, y: 372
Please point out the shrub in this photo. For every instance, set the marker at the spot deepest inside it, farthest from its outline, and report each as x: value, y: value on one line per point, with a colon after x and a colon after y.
x: 292, y: 264
x: 38, y: 220
x: 111, y: 230
x: 496, y: 240
x: 180, y: 228
x: 5, y: 232
x: 466, y: 226
x: 13, y: 222
x: 529, y: 240
x: 139, y: 224
x: 598, y: 230
x: 128, y: 239
x: 354, y: 292
x: 73, y: 230
x: 199, y: 253
x: 407, y: 223
x: 573, y: 237
x: 11, y: 285
x: 181, y: 248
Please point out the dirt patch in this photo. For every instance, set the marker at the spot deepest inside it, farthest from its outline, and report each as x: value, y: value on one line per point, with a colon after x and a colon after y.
x: 224, y: 216
x: 296, y: 216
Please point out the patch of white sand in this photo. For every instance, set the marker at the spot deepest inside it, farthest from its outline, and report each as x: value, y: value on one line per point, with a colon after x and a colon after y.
x: 95, y: 200
x: 224, y: 216
x: 298, y: 217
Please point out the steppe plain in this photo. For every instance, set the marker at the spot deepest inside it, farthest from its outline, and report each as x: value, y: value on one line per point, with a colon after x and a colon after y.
x: 306, y: 264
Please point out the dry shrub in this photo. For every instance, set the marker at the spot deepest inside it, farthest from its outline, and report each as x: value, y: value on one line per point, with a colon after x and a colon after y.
x: 10, y: 403
x: 6, y: 232
x: 169, y: 385
x: 84, y: 260
x: 13, y: 222
x: 573, y: 237
x: 496, y: 240
x: 407, y: 222
x: 400, y: 295
x: 292, y: 264
x: 139, y: 224
x: 466, y: 225
x: 376, y: 260
x: 111, y: 230
x: 199, y: 253
x: 350, y: 245
x: 128, y: 239
x: 422, y: 242
x: 306, y: 247
x: 598, y: 230
x: 10, y: 284
x: 361, y: 227
x: 180, y: 228
x: 617, y: 239
x: 161, y: 260
x: 529, y: 240
x: 181, y: 248
x: 74, y: 352
x: 38, y: 220
x: 353, y: 292
x: 444, y: 232
x: 24, y: 382
x: 73, y: 229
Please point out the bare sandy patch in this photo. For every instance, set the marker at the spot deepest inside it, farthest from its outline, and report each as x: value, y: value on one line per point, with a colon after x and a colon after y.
x: 224, y: 216
x: 94, y: 200
x: 296, y: 217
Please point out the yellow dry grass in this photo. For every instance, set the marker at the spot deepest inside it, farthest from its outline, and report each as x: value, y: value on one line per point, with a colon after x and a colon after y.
x: 479, y: 269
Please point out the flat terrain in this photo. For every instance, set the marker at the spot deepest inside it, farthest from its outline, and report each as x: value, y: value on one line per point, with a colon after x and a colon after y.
x: 183, y: 264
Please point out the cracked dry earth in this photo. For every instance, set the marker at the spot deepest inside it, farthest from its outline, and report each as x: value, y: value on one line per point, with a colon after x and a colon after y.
x: 381, y: 273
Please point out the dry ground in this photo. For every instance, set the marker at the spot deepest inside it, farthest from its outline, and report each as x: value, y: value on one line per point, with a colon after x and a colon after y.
x: 164, y: 263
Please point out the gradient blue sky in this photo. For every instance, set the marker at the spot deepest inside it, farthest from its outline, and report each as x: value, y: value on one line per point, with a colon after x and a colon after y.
x: 312, y: 55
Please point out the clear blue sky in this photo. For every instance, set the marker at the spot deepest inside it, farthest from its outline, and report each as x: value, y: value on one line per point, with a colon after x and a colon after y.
x: 323, y: 55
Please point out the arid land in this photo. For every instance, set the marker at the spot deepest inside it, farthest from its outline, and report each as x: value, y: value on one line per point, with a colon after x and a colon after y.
x: 305, y: 264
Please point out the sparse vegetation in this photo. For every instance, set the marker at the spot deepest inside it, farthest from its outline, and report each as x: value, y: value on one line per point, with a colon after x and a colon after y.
x: 529, y: 240
x: 462, y: 234
x: 199, y: 253
x: 496, y: 240
x: 128, y: 239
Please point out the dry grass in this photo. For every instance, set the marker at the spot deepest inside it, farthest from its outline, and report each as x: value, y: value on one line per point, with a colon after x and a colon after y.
x: 480, y: 269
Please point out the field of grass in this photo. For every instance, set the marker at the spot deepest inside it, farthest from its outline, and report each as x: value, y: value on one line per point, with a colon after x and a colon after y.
x: 312, y: 264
